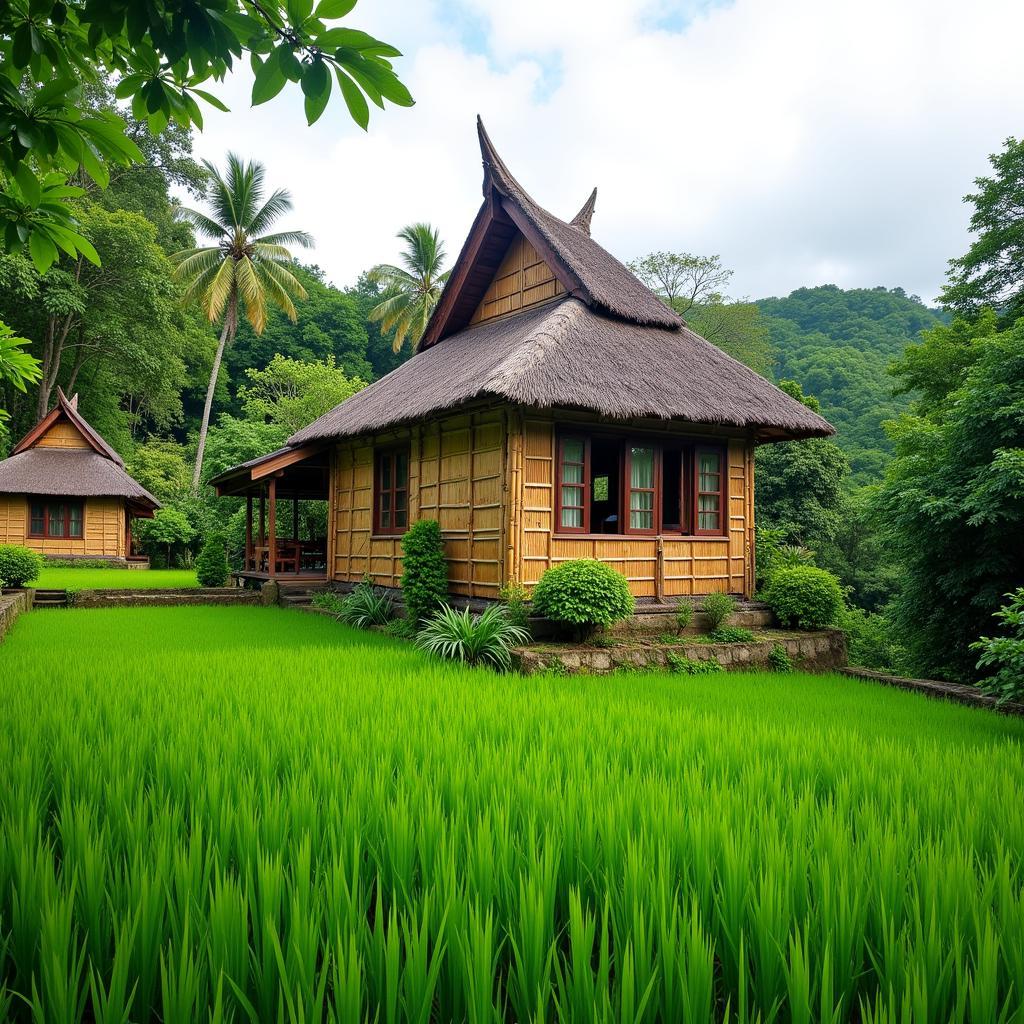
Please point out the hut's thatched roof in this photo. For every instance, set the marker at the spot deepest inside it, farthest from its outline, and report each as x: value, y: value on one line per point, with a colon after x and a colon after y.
x: 565, y: 355
x: 92, y: 472
x: 609, y: 346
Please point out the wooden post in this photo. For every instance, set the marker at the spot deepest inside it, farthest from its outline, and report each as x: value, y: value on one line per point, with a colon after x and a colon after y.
x: 248, y: 532
x: 127, y: 533
x: 263, y: 516
x: 272, y: 528
x: 295, y: 518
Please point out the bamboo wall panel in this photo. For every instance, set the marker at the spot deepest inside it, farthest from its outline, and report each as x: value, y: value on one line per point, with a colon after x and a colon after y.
x: 522, y: 280
x: 686, y: 566
x: 456, y: 476
x: 62, y: 435
x: 103, y: 533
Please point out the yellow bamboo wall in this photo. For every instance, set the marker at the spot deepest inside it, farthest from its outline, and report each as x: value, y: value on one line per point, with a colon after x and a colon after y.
x: 656, y: 567
x: 456, y: 476
x: 522, y: 280
x: 62, y: 435
x: 103, y: 532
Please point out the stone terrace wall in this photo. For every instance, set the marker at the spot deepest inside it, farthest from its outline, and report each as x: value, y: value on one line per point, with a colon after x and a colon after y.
x: 11, y: 606
x: 814, y: 652
x: 163, y: 598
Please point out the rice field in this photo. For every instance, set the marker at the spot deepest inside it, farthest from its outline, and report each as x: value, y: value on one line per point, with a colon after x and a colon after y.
x: 251, y: 814
x: 115, y: 579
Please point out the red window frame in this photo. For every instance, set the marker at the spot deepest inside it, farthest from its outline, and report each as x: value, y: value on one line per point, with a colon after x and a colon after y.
x: 64, y: 532
x: 628, y: 490
x: 385, y: 465
x: 584, y: 484
x: 722, y: 493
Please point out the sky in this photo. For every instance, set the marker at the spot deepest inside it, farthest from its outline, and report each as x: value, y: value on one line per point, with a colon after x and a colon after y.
x: 806, y: 142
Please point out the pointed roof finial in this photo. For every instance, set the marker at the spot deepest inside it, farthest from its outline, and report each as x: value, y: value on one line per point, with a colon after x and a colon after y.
x: 582, y: 219
x: 496, y: 174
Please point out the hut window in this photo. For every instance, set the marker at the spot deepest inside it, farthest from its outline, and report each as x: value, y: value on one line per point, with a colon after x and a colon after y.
x: 573, y: 483
x: 391, y: 491
x: 57, y: 519
x: 708, y: 488
x: 641, y: 464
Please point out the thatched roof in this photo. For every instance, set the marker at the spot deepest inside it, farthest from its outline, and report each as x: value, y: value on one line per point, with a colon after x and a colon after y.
x: 71, y: 473
x: 92, y: 472
x: 565, y: 355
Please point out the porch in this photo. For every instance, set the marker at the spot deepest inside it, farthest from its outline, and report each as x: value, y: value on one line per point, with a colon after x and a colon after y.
x: 279, y: 543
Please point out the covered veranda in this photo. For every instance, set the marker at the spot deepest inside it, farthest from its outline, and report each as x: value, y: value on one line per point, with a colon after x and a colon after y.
x: 273, y: 486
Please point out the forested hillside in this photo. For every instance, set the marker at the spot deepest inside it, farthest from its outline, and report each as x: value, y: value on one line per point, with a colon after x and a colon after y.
x: 838, y: 345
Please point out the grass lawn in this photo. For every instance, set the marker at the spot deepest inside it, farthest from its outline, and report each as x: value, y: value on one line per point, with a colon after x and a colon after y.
x: 251, y: 812
x: 115, y: 579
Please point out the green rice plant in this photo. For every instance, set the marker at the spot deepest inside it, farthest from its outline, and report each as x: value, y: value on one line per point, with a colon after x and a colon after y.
x: 717, y: 608
x: 74, y: 579
x: 484, y: 639
x: 245, y: 814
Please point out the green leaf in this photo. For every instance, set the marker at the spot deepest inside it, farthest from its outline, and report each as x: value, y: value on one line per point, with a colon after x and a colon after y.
x: 330, y: 9
x: 354, y: 99
x: 270, y: 79
x: 22, y: 49
x: 211, y: 99
x: 28, y: 183
x: 299, y: 10
x: 129, y: 85
x: 350, y: 37
x: 43, y: 252
x: 316, y: 86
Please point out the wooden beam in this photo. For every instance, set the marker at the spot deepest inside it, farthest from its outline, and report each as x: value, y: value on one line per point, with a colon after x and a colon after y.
x: 272, y: 536
x: 569, y: 281
x: 263, y: 518
x: 284, y: 460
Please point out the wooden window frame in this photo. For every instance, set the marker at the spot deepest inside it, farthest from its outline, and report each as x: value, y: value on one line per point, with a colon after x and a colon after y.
x: 628, y: 444
x: 66, y: 528
x: 722, y: 452
x: 585, y: 484
x: 689, y: 448
x: 379, y: 455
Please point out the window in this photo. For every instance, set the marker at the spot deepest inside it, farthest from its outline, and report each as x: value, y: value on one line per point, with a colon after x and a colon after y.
x: 391, y: 491
x: 57, y: 519
x: 635, y: 485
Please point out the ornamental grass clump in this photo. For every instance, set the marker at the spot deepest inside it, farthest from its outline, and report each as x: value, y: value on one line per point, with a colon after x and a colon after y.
x: 367, y: 606
x: 484, y: 639
x: 583, y: 595
x: 424, y: 570
x: 19, y: 566
x: 805, y: 597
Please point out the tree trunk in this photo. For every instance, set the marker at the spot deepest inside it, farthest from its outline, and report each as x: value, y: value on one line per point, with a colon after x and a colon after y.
x: 229, y: 319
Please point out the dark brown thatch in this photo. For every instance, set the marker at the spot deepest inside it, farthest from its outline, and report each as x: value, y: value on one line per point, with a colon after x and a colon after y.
x: 583, y: 218
x: 564, y: 355
x: 70, y: 473
x: 603, y: 282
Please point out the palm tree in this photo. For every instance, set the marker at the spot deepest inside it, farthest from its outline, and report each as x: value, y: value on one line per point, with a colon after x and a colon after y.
x: 412, y: 290
x: 244, y: 267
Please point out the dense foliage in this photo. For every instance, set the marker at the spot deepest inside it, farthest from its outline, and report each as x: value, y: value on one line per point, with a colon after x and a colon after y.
x: 1005, y: 654
x: 484, y: 639
x: 424, y: 570
x: 717, y: 608
x: 19, y: 566
x: 583, y: 594
x: 212, y: 568
x: 804, y: 596
x: 838, y: 344
x: 186, y: 825
x: 953, y: 498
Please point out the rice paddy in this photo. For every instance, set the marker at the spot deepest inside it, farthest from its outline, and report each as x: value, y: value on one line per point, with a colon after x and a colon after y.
x: 115, y: 579
x: 251, y: 814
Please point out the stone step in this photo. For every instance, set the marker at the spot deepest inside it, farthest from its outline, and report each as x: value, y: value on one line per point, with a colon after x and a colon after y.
x: 50, y: 599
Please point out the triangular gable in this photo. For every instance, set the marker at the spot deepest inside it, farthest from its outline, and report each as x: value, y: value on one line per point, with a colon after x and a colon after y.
x: 64, y: 427
x: 521, y: 281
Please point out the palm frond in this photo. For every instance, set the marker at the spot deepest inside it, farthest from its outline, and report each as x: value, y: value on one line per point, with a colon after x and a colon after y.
x: 197, y: 288
x: 252, y: 293
x: 277, y: 293
x: 190, y: 262
x: 245, y: 180
x: 201, y: 222
x: 303, y: 238
x: 223, y: 283
x: 277, y: 253
x: 287, y: 282
x: 279, y: 203
x: 390, y: 276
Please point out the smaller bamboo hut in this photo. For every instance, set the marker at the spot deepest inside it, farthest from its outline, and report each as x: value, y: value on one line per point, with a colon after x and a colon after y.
x: 64, y: 491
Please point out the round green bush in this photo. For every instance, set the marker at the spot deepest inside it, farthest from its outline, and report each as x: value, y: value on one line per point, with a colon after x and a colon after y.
x: 804, y: 596
x: 212, y: 568
x: 584, y: 594
x: 19, y: 566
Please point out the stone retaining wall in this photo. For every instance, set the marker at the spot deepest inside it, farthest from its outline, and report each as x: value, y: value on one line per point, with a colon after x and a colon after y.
x: 969, y: 695
x: 814, y: 652
x: 163, y: 598
x: 11, y: 606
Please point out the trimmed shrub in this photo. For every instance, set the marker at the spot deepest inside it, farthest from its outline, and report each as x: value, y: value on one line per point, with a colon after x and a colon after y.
x: 684, y: 614
x: 693, y: 666
x: 212, y: 568
x: 805, y: 596
x: 730, y: 635
x: 584, y: 594
x: 485, y: 639
x: 424, y: 570
x: 19, y: 566
x: 1005, y: 653
x: 779, y: 659
x: 718, y: 608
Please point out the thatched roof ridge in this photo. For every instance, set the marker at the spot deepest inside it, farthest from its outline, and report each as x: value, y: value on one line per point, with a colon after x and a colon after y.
x: 595, y: 276
x: 583, y: 218
x: 70, y: 473
x: 68, y: 408
x: 564, y: 355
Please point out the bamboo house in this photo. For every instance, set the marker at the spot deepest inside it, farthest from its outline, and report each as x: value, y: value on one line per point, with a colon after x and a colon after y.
x: 554, y: 409
x: 64, y: 491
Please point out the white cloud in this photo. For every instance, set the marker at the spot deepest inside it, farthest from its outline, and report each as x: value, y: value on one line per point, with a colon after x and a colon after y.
x: 806, y: 142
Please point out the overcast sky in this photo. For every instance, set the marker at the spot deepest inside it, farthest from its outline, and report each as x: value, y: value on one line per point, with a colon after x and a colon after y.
x: 805, y: 141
